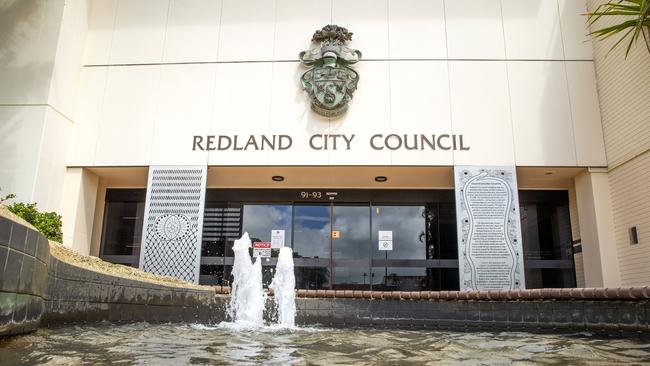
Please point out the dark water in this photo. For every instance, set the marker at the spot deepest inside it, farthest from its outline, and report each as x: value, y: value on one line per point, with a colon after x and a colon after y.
x: 172, y: 344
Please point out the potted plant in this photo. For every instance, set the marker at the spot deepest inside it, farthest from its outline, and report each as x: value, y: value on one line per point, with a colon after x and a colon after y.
x: 635, y: 22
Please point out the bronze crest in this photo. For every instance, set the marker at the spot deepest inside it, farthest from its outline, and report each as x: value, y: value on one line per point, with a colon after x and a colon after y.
x: 330, y: 81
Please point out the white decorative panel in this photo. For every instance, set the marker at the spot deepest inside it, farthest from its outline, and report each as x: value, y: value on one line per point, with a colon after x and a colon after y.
x: 490, y: 255
x: 173, y: 222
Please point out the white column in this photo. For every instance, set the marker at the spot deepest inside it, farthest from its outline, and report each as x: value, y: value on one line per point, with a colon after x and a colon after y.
x: 600, y: 257
x: 78, y: 208
x: 575, y: 236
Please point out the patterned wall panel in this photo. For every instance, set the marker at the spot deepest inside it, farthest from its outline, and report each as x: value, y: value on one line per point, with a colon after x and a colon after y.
x: 173, y: 221
x: 489, y: 229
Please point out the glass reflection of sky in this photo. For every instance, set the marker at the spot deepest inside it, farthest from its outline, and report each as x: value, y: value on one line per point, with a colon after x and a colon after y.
x: 311, y: 238
x: 259, y: 220
x: 353, y: 222
x: 408, y: 225
x: 311, y: 231
x: 313, y: 217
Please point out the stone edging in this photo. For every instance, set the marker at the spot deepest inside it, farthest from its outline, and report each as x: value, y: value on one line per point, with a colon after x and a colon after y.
x: 622, y: 293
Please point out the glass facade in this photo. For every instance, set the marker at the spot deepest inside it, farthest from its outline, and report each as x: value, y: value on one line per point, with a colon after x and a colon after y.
x: 546, y: 235
x: 335, y: 240
x: 351, y: 247
x: 335, y: 243
x: 122, y: 229
x: 311, y: 245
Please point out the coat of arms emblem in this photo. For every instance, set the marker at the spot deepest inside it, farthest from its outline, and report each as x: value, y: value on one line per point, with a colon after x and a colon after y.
x: 330, y: 81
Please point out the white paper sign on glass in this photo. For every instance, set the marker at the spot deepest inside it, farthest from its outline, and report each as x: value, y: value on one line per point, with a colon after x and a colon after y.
x: 489, y: 233
x: 385, y: 239
x: 277, y: 239
x: 385, y: 245
x: 385, y: 235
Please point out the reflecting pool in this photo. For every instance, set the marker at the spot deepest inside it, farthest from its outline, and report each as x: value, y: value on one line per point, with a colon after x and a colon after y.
x: 173, y: 344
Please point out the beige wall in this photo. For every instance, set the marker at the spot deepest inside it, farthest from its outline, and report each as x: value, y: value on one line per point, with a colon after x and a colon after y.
x: 158, y: 72
x: 624, y: 90
x: 630, y: 190
x: 624, y: 93
x: 40, y: 57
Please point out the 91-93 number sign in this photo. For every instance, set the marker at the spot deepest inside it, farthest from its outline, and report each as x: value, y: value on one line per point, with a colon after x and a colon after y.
x: 314, y: 194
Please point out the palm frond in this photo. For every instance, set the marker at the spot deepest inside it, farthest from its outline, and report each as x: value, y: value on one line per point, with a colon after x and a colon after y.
x: 636, y: 23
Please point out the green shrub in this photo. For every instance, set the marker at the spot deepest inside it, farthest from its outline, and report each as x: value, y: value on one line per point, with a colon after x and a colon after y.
x: 48, y: 223
x: 6, y: 197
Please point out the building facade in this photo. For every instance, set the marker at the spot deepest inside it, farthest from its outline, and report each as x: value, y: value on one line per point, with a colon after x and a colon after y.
x: 103, y: 101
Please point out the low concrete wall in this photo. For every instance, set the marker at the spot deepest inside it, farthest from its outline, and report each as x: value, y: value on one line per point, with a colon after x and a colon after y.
x: 613, y: 311
x: 77, y: 295
x: 36, y: 288
x: 578, y: 315
x: 24, y: 255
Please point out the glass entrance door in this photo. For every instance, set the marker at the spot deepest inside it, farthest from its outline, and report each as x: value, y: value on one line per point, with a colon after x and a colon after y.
x: 335, y: 237
x: 351, y: 247
x: 403, y: 264
x: 332, y: 256
x: 311, y: 245
x: 336, y: 246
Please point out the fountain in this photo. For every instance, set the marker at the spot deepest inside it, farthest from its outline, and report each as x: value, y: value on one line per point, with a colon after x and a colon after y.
x: 246, y: 340
x: 247, y: 295
x: 283, y: 285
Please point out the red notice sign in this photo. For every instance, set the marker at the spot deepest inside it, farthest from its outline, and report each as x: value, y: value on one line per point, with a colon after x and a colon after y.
x: 262, y: 249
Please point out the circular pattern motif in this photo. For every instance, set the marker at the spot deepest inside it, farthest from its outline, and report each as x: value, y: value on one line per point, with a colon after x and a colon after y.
x: 170, y: 227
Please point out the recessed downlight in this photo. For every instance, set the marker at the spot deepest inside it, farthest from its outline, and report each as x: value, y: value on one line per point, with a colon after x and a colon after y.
x: 380, y: 179
x: 277, y: 178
